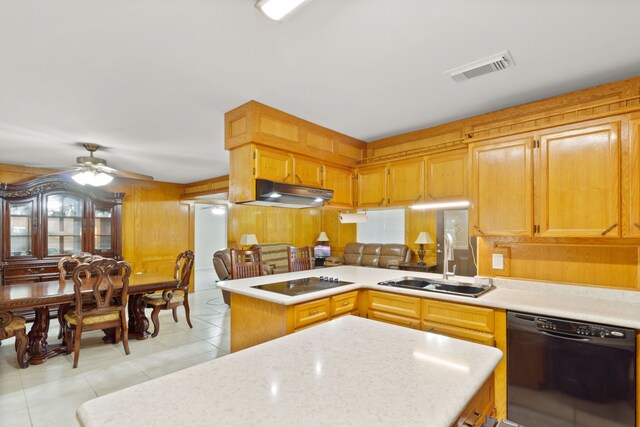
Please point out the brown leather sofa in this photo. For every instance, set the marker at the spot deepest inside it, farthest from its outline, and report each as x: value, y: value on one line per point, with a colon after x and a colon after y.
x: 383, y: 255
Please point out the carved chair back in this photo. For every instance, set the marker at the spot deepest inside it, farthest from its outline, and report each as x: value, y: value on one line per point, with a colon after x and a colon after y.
x: 300, y: 258
x: 74, y: 260
x: 246, y: 263
x: 182, y: 269
x: 96, y: 279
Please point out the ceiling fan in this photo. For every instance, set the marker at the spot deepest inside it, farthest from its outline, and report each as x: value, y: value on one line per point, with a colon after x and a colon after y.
x: 94, y: 171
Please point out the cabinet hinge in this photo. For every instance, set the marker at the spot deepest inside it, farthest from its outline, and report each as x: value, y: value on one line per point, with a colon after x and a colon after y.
x: 254, y: 155
x: 254, y: 171
x: 389, y: 172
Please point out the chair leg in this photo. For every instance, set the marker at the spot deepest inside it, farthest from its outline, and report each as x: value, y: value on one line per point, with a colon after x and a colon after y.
x: 155, y: 320
x: 175, y: 314
x: 187, y: 310
x: 76, y: 347
x: 62, y: 310
x: 22, y: 342
x: 116, y: 338
x: 68, y: 333
x: 125, y: 334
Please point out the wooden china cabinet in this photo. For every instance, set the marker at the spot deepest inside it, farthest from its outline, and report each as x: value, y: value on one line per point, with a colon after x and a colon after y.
x: 50, y: 217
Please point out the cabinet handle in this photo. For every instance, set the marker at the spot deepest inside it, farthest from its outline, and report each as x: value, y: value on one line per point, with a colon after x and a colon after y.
x: 430, y: 196
x: 35, y: 270
x: 286, y: 177
x: 411, y: 325
x: 417, y: 199
x: 298, y: 178
x: 35, y: 224
x: 346, y: 303
x: 609, y: 229
x: 636, y: 224
x: 381, y: 202
x: 475, y: 227
x: 313, y: 312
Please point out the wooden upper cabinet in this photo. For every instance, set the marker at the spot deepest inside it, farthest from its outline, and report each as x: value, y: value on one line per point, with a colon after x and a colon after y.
x: 633, y: 180
x: 406, y: 182
x: 578, y: 182
x: 372, y: 186
x: 340, y: 180
x: 446, y: 177
x: 307, y: 172
x: 273, y: 165
x: 502, y: 187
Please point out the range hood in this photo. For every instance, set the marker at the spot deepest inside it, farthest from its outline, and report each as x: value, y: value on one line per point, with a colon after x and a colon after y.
x: 280, y: 194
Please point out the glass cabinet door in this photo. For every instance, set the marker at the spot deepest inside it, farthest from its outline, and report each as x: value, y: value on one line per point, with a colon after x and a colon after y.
x: 22, y: 221
x: 64, y: 224
x: 103, y: 242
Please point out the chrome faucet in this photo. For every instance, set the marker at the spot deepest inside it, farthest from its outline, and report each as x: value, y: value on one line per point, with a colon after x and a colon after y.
x: 448, y: 256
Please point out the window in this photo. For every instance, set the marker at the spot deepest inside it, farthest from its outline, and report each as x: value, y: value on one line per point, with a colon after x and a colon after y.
x: 385, y: 226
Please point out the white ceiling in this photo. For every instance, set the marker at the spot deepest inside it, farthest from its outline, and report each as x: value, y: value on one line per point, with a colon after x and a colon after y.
x: 151, y: 79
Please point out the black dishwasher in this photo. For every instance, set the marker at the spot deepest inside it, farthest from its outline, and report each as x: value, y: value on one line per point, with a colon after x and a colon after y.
x: 566, y: 373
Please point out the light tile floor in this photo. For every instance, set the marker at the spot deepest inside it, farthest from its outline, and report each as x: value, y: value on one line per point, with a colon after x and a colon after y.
x: 49, y: 394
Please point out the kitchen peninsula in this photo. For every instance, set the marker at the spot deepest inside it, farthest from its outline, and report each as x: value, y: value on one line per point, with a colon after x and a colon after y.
x: 351, y: 371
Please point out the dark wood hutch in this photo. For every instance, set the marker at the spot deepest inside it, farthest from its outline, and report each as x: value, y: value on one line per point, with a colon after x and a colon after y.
x: 50, y: 217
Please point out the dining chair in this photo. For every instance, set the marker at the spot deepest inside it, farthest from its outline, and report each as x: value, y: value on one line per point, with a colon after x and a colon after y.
x: 246, y: 263
x: 300, y: 258
x: 171, y: 299
x: 108, y: 312
x: 66, y: 264
x: 14, y: 326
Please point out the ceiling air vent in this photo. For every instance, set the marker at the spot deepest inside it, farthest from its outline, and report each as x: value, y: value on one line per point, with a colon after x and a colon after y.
x: 487, y: 65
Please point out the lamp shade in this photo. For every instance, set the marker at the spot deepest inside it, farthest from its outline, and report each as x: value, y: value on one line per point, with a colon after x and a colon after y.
x: 424, y: 238
x: 322, y: 237
x: 248, y: 239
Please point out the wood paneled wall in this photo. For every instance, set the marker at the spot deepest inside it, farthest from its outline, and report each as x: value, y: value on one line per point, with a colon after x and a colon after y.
x: 156, y: 225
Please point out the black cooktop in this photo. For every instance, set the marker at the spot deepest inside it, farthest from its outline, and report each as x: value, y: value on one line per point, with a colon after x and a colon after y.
x: 303, y: 286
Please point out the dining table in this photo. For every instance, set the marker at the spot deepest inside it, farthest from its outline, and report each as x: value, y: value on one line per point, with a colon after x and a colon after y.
x: 40, y: 296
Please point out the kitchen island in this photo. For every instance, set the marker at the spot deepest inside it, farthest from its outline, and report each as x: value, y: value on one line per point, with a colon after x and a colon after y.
x: 350, y: 371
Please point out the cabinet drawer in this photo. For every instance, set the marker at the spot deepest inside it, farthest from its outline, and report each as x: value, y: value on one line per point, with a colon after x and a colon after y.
x: 400, y: 305
x: 31, y: 271
x: 461, y: 333
x: 344, y: 304
x: 381, y: 316
x: 463, y: 316
x: 310, y: 312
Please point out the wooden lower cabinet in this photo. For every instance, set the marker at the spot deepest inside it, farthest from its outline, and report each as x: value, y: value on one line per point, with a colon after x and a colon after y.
x: 480, y: 406
x: 401, y: 310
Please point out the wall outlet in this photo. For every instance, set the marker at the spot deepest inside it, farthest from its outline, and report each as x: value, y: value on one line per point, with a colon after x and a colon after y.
x: 497, y: 261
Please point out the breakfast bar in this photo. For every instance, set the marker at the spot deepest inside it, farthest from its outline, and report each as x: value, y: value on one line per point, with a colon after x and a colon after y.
x: 350, y: 371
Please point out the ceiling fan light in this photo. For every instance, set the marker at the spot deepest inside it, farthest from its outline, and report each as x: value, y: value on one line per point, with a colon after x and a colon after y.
x: 277, y: 9
x: 95, y: 179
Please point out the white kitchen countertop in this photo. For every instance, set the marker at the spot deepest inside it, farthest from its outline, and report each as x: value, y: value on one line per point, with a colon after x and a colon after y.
x: 586, y: 303
x: 350, y: 371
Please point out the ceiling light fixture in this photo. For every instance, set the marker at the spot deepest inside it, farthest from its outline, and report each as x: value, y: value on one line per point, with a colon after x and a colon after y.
x: 277, y: 9
x: 93, y: 178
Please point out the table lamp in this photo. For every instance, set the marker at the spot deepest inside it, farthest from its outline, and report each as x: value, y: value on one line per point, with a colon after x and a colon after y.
x: 322, y: 237
x: 248, y: 240
x: 423, y: 239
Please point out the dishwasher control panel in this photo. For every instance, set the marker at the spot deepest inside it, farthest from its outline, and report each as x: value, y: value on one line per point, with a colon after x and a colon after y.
x: 578, y: 329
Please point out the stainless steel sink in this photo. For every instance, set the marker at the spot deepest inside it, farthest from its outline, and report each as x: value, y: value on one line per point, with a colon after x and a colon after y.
x: 441, y: 286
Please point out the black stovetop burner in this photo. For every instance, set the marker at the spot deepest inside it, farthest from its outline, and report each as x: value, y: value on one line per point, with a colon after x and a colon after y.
x: 303, y: 286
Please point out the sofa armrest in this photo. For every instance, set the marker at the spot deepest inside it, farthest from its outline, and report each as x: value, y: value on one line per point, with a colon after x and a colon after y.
x: 394, y: 264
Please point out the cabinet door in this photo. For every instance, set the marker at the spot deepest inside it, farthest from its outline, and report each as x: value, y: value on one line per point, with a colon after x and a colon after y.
x: 102, y: 229
x: 341, y: 182
x: 273, y: 165
x: 21, y: 228
x: 406, y: 182
x: 307, y: 172
x: 64, y: 225
x: 578, y: 186
x: 372, y: 186
x: 634, y: 181
x: 502, y: 187
x: 446, y: 177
